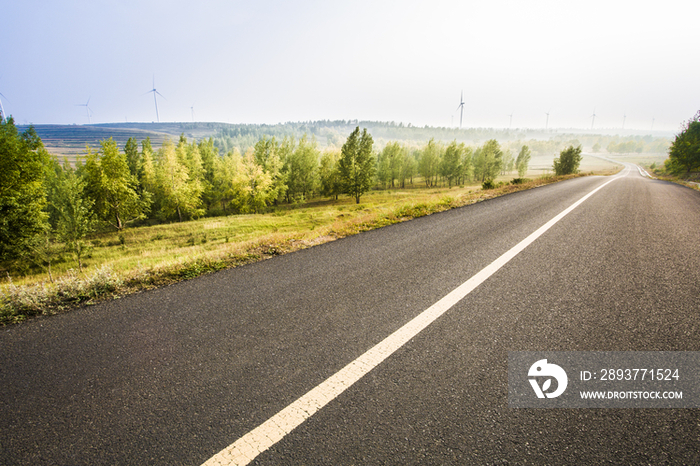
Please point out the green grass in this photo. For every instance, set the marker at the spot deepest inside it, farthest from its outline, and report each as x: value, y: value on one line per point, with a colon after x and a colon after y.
x: 149, y: 256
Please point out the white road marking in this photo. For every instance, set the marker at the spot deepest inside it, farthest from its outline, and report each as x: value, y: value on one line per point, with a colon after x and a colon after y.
x: 643, y: 172
x: 245, y: 449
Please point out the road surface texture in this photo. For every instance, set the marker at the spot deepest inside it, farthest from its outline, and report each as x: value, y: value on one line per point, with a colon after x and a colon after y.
x: 176, y: 375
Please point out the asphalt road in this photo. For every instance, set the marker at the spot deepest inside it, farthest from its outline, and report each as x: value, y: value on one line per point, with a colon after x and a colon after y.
x: 173, y: 376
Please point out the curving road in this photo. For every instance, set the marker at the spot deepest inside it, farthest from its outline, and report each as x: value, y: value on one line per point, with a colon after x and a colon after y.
x: 176, y: 375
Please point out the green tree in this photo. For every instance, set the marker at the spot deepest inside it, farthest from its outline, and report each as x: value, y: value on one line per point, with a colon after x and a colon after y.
x: 285, y: 151
x: 329, y: 174
x: 302, y: 166
x: 488, y: 161
x: 76, y: 219
x: 508, y: 162
x: 112, y: 187
x: 383, y: 169
x: 23, y: 161
x: 259, y: 190
x: 179, y: 192
x: 43, y: 248
x: 568, y: 161
x: 684, y: 153
x: 357, y: 164
x: 268, y: 156
x: 210, y: 156
x: 188, y: 155
x: 429, y: 163
x: 450, y: 167
x: 229, y: 183
x: 133, y: 158
x: 397, y: 158
x: 466, y: 166
x: 148, y: 168
x: 390, y: 163
x: 407, y: 167
x: 523, y: 160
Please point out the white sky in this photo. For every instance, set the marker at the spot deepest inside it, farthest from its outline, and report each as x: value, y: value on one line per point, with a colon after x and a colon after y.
x: 406, y: 61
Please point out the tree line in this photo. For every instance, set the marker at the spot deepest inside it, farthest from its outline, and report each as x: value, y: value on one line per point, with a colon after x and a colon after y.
x: 44, y: 202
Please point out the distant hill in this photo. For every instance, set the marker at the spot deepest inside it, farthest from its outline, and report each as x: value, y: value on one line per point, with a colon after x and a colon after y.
x: 71, y: 140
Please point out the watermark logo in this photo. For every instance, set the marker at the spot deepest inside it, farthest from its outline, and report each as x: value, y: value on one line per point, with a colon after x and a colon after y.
x: 545, y: 372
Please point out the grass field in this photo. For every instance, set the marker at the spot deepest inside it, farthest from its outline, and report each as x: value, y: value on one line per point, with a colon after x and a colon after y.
x: 163, y: 245
x: 641, y: 159
x: 148, y: 256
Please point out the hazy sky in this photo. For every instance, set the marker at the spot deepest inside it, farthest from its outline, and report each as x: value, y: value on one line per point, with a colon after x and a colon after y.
x: 405, y: 61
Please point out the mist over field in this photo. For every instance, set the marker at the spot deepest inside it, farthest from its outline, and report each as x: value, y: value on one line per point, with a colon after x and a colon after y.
x: 518, y: 64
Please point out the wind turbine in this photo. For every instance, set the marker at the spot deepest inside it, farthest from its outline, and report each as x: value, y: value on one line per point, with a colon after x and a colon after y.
x: 652, y: 123
x: 2, y: 109
x: 154, y: 97
x: 192, y: 108
x: 460, y: 107
x: 87, y: 109
x: 511, y: 121
x: 593, y: 121
x: 546, y: 124
x: 624, y: 117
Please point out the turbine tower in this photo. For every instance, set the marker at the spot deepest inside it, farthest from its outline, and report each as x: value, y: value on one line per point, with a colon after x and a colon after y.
x: 624, y: 117
x: 88, y: 110
x: 593, y: 121
x: 460, y: 107
x: 154, y: 91
x: 511, y: 121
x: 546, y: 123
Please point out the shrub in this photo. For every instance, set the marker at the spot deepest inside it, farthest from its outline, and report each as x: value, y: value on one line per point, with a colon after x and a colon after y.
x: 488, y: 184
x: 568, y: 161
x: 17, y: 303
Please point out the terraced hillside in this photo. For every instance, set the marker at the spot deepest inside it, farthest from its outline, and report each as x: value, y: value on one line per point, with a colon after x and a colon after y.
x: 70, y: 141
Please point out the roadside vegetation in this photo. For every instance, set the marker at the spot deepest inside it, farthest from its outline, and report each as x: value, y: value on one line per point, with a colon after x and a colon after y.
x: 122, y: 220
x: 146, y: 257
x: 683, y: 163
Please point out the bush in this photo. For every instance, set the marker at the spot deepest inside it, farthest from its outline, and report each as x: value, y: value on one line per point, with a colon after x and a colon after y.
x: 515, y: 181
x: 488, y: 184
